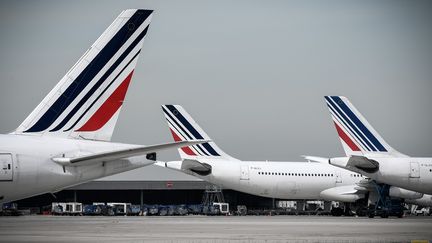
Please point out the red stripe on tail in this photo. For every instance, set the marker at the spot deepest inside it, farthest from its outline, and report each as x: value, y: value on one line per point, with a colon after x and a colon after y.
x: 346, y: 139
x: 108, y: 108
x: 187, y: 150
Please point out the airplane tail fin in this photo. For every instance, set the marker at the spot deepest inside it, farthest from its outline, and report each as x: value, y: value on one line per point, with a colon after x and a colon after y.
x: 184, y: 128
x: 357, y: 136
x: 86, y: 103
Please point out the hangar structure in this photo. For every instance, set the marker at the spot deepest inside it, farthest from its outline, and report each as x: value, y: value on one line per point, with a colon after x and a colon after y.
x: 151, y: 190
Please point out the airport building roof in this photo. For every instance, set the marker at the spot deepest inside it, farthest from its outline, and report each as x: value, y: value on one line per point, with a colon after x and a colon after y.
x: 142, y: 185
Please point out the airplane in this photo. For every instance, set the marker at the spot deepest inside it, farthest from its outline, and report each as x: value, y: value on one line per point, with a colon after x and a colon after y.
x: 65, y: 140
x: 390, y: 173
x: 283, y: 180
x: 367, y: 153
x: 312, y: 180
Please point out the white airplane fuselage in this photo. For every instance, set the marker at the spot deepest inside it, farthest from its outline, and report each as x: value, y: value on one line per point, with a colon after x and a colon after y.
x: 27, y: 168
x: 409, y: 173
x: 284, y: 180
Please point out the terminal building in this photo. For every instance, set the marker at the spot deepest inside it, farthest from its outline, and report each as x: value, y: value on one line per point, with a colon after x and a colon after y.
x: 147, y: 185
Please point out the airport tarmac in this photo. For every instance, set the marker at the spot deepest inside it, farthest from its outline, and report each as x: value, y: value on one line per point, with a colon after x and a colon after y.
x: 213, y: 229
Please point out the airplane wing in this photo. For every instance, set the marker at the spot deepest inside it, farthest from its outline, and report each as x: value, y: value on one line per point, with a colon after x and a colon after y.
x: 121, y: 154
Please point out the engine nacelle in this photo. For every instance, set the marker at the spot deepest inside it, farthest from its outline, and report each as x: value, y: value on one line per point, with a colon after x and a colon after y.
x: 341, y: 194
x: 425, y: 201
x: 403, y: 193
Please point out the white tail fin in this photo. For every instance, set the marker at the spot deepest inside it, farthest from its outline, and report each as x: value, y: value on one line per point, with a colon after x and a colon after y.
x: 357, y: 136
x: 184, y: 128
x: 86, y: 103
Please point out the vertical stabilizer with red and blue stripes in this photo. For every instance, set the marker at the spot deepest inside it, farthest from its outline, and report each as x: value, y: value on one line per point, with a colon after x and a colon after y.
x: 86, y: 103
x: 184, y: 128
x: 357, y: 136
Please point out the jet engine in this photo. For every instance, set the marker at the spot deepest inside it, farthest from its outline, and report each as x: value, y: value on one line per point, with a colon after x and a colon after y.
x: 342, y: 194
x: 403, y: 193
x: 425, y: 201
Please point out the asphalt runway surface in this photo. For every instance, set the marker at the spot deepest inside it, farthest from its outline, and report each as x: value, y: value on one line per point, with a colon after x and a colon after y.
x: 214, y: 229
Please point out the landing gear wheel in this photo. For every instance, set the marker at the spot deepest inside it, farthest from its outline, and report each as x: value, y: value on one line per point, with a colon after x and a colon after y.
x: 361, y: 212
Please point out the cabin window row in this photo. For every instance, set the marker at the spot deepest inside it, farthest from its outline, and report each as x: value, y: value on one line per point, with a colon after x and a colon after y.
x: 292, y: 174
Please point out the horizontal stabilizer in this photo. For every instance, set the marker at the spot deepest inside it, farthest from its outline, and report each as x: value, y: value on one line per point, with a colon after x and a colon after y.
x: 363, y: 163
x: 121, y: 154
x: 316, y: 159
x: 196, y: 167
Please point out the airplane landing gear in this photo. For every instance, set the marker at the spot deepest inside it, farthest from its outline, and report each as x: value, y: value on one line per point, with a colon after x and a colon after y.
x: 383, y: 205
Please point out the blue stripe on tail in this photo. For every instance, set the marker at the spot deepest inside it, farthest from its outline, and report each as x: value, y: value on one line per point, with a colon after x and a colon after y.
x: 193, y: 131
x: 355, y: 130
x: 359, y: 124
x: 181, y: 128
x: 91, y: 70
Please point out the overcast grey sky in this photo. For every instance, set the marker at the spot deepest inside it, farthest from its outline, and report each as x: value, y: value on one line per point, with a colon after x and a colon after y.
x: 252, y: 73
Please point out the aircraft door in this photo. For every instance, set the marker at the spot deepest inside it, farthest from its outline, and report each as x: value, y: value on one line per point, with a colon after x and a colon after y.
x: 414, y: 170
x: 6, y: 167
x: 338, y: 177
x: 244, y: 172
